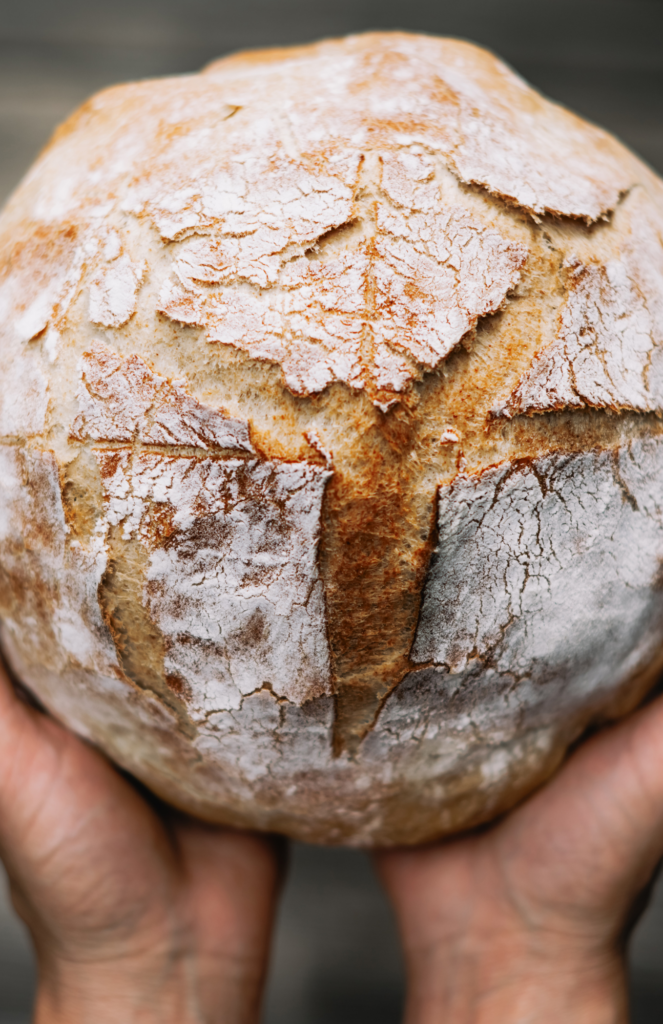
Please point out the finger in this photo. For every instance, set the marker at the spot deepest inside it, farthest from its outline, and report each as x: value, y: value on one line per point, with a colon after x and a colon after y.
x: 611, y: 786
x: 19, y: 724
x: 7, y: 691
x: 588, y: 841
x: 19, y: 709
x: 583, y: 847
x: 51, y: 781
x: 234, y: 878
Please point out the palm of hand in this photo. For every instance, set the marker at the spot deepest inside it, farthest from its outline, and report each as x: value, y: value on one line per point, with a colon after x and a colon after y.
x: 112, y: 890
x: 536, y: 909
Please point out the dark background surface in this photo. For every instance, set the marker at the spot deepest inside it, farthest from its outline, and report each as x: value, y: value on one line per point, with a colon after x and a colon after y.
x: 336, y: 954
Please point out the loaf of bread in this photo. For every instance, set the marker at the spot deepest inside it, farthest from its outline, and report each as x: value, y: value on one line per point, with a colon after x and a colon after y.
x: 331, y: 447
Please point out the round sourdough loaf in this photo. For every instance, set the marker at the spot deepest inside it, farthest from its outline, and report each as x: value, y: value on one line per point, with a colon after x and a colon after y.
x: 330, y: 442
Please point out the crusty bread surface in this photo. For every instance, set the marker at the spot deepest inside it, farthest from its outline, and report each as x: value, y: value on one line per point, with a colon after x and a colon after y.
x: 330, y: 435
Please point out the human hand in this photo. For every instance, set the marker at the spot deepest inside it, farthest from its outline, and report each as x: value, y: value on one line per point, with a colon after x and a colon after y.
x: 527, y: 921
x: 136, y: 916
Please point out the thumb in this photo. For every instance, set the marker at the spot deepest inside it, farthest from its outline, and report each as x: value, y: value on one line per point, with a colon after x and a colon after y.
x: 31, y: 746
x: 590, y: 840
x: 16, y: 709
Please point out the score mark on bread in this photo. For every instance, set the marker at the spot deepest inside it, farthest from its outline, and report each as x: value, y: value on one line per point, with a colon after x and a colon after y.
x: 396, y: 298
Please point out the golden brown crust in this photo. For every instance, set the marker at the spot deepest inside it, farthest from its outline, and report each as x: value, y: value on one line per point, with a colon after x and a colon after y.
x: 271, y: 361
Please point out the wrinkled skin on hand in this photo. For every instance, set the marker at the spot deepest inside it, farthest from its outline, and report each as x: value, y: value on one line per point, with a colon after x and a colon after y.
x: 528, y: 920
x: 137, y: 913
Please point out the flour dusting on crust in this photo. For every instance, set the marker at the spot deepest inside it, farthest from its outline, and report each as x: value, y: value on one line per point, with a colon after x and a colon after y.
x: 232, y: 580
x: 60, y: 607
x: 545, y: 568
x: 409, y: 285
x: 458, y: 99
x: 114, y: 292
x: 122, y: 399
x: 608, y: 351
x: 37, y: 284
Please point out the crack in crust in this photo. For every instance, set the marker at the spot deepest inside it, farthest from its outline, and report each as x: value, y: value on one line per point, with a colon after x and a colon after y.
x: 139, y: 643
x: 123, y: 399
x: 608, y: 346
x: 372, y: 302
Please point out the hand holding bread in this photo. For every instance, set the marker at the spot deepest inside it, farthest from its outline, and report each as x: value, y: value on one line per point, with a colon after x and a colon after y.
x: 137, y: 913
x: 530, y: 919
x: 331, y: 452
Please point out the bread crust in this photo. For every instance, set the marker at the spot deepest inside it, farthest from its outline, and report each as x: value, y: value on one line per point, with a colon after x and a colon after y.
x: 330, y: 435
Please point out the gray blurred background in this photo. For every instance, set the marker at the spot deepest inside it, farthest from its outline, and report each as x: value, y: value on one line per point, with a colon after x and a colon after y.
x: 336, y: 956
